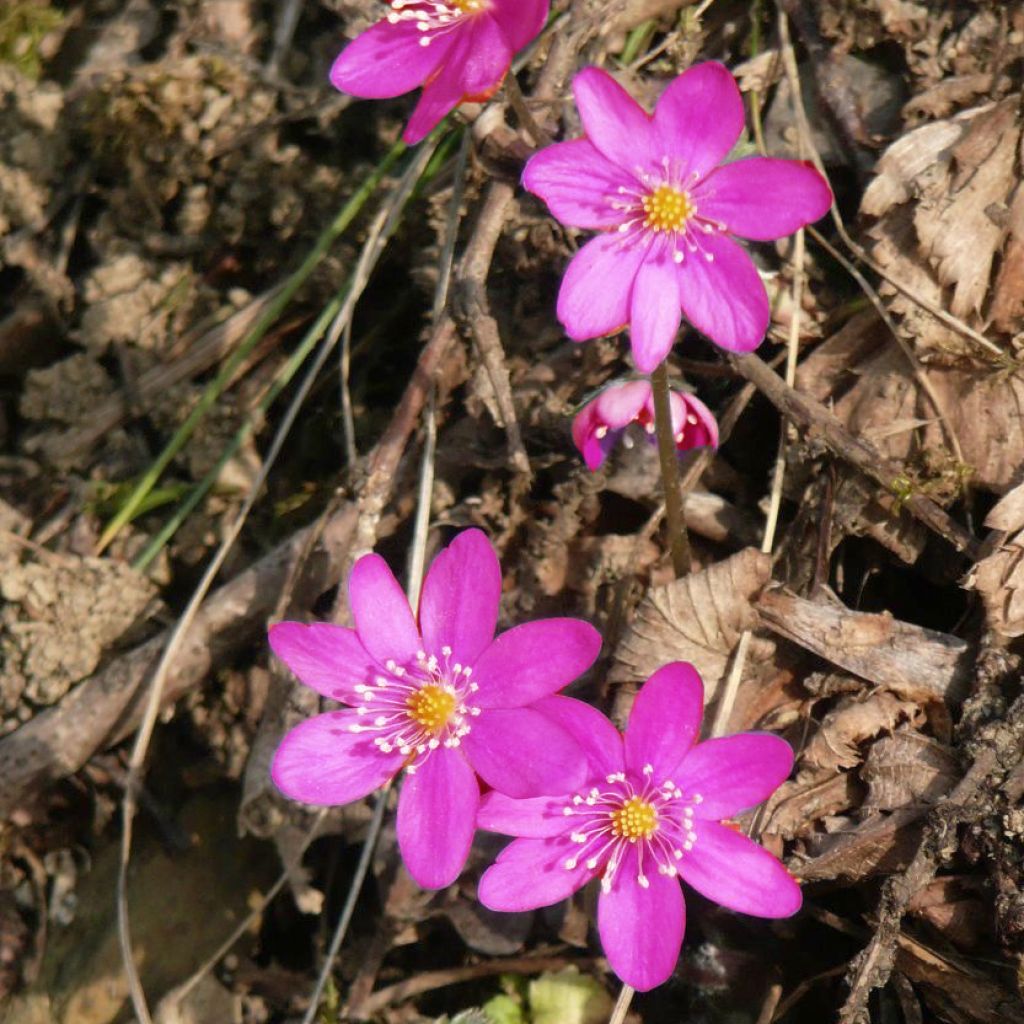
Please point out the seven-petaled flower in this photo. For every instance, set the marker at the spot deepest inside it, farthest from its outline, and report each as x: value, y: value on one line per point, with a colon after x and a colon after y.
x: 445, y: 700
x: 667, y: 212
x: 603, y: 420
x: 456, y: 49
x: 651, y: 812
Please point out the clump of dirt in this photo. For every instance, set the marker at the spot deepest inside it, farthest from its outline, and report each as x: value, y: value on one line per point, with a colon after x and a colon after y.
x: 61, y: 614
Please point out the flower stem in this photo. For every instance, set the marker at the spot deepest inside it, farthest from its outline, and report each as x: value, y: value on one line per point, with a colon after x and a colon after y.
x: 625, y: 997
x: 678, y: 538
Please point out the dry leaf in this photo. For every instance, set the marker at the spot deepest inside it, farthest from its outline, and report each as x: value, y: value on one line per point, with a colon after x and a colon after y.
x: 698, y: 619
x: 918, y: 664
x: 797, y: 806
x: 999, y: 580
x: 908, y: 768
x: 1008, y: 513
x: 845, y: 728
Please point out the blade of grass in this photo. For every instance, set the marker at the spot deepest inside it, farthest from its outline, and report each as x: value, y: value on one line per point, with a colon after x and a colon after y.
x: 213, y: 390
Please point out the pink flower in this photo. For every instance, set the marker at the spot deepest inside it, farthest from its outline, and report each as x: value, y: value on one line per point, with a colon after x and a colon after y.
x: 602, y: 421
x: 667, y: 211
x: 456, y: 49
x: 651, y: 810
x: 445, y: 700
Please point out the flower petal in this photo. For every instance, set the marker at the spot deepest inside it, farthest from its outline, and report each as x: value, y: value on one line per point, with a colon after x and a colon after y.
x: 387, y: 60
x: 482, y: 58
x: 724, y: 298
x: 697, y: 422
x: 437, y: 818
x: 327, y: 658
x: 664, y: 721
x: 536, y: 817
x: 459, y: 605
x: 619, y: 405
x: 600, y: 740
x: 763, y: 198
x: 655, y: 313
x: 615, y: 123
x: 578, y: 184
x: 440, y: 96
x: 699, y: 117
x: 531, y: 873
x: 641, y: 928
x: 593, y: 448
x: 595, y: 292
x: 534, y: 660
x: 520, y: 20
x: 734, y: 871
x: 523, y: 753
x: 321, y: 761
x: 732, y: 773
x: 381, y: 611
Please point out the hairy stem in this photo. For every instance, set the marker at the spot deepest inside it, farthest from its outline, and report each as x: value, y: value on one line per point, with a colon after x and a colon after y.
x: 625, y: 996
x: 678, y: 538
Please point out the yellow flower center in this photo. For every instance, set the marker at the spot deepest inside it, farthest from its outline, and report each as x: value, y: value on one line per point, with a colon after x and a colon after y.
x: 470, y: 6
x: 667, y: 209
x: 635, y: 819
x: 431, y: 707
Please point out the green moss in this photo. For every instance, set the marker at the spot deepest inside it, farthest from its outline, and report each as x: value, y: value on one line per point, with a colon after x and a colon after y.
x: 23, y: 24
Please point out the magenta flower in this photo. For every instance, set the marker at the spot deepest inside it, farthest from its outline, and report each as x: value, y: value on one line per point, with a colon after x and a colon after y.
x: 668, y: 212
x: 652, y: 810
x: 445, y: 700
x: 456, y: 49
x: 603, y: 420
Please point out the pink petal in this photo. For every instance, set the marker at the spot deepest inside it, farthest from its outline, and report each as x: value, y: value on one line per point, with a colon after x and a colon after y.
x: 328, y: 658
x: 459, y: 606
x: 620, y: 404
x: 654, y: 313
x: 733, y: 773
x: 536, y: 817
x: 724, y: 298
x: 699, y: 117
x: 437, y: 818
x: 730, y: 869
x: 600, y: 740
x: 762, y: 198
x: 641, y: 928
x: 472, y: 69
x: 387, y: 60
x: 615, y: 123
x: 595, y: 292
x: 534, y: 660
x: 381, y: 611
x: 321, y: 761
x: 695, y: 435
x: 578, y: 184
x: 523, y: 753
x: 594, y: 449
x: 531, y: 873
x: 520, y: 20
x: 664, y: 721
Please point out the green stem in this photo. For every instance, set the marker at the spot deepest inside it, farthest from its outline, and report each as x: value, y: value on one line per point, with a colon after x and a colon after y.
x: 277, y: 306
x: 679, y: 540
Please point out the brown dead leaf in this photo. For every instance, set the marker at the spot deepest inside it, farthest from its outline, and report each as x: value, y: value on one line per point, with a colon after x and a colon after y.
x: 879, y: 845
x: 917, y: 664
x: 854, y: 721
x: 1008, y: 513
x: 955, y: 907
x: 999, y: 580
x: 907, y: 768
x: 947, y: 198
x: 698, y: 619
x: 798, y: 805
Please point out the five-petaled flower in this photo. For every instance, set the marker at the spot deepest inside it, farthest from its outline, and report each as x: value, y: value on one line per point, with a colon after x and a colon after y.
x: 667, y: 212
x: 456, y: 49
x: 652, y: 810
x: 445, y: 699
x: 603, y: 420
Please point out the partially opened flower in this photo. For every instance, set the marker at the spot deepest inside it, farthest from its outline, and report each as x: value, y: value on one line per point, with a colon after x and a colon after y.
x: 456, y: 49
x: 652, y: 812
x: 668, y: 213
x: 445, y: 700
x: 603, y: 420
